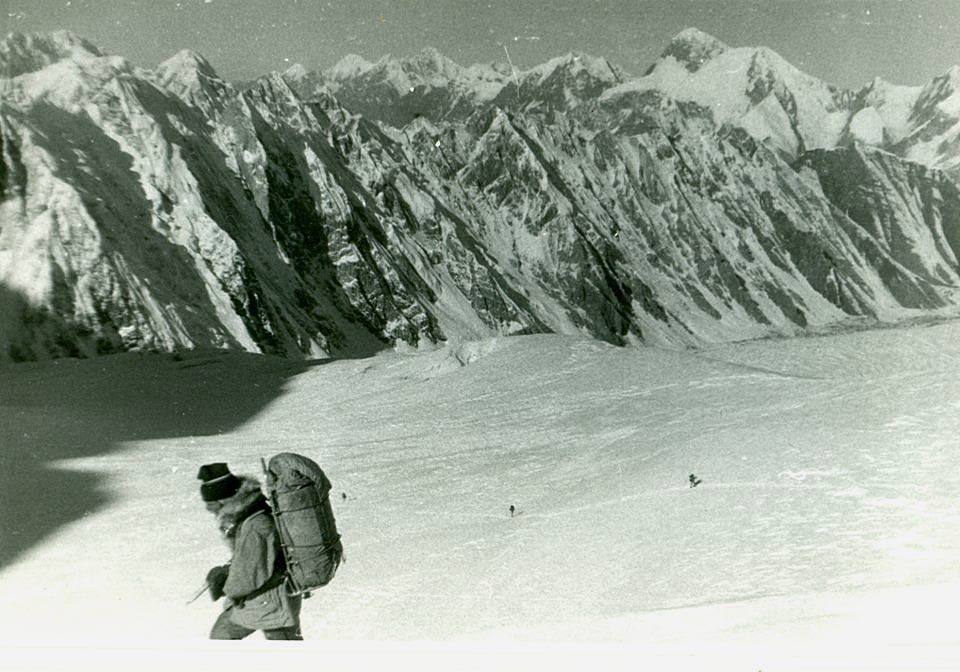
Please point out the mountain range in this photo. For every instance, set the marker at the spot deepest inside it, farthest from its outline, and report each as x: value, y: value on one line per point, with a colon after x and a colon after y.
x: 723, y: 195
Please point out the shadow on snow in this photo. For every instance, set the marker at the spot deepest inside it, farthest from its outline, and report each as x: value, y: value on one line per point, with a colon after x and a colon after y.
x: 70, y: 408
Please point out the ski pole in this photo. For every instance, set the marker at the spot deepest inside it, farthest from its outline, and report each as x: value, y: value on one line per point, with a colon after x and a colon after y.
x: 200, y: 592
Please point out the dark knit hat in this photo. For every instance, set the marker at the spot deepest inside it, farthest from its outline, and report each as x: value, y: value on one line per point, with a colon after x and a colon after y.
x: 218, y: 482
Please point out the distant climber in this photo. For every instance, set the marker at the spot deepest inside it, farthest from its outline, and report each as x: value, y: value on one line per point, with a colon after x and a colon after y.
x: 694, y: 481
x: 513, y: 510
x: 344, y: 495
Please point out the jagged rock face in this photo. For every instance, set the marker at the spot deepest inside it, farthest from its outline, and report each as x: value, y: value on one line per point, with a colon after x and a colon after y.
x: 125, y: 227
x: 932, y: 133
x: 169, y: 209
x: 908, y: 212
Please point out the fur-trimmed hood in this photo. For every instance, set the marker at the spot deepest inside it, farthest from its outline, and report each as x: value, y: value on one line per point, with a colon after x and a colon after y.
x: 234, y: 510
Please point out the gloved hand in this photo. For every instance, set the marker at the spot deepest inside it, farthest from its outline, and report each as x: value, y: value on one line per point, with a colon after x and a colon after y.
x: 216, y: 578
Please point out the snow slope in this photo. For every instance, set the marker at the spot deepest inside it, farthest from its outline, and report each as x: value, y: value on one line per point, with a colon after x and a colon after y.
x: 824, y: 536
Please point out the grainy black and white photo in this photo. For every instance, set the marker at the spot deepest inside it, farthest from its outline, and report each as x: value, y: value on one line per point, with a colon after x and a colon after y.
x: 434, y: 334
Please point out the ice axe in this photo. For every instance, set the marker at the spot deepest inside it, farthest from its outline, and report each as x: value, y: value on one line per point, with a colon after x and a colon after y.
x: 200, y: 592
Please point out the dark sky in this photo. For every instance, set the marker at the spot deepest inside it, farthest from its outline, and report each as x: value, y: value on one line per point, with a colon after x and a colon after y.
x: 846, y: 42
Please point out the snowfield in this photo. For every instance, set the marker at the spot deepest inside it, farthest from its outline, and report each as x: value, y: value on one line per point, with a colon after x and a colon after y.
x: 825, y: 533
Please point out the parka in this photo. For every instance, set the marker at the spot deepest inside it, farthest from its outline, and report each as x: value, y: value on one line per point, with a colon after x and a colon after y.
x: 247, y: 525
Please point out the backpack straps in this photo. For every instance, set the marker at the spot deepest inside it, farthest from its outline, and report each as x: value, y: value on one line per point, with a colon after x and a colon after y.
x: 277, y: 579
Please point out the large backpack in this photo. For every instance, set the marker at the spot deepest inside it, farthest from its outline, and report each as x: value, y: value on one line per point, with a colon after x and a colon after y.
x: 299, y: 494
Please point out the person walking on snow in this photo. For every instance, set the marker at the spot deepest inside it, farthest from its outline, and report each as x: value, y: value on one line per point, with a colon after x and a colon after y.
x: 253, y: 580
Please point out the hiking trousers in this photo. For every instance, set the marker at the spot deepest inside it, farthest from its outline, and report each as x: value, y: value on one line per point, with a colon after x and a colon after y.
x: 224, y: 628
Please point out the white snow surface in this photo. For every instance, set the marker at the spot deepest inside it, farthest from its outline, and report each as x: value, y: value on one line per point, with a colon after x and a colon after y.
x: 894, y: 103
x: 867, y: 126
x: 825, y: 533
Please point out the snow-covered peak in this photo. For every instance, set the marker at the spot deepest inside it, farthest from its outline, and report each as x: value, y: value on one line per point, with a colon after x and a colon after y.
x: 692, y: 48
x: 296, y: 73
x: 879, y: 91
x: 21, y: 53
x: 58, y: 67
x: 431, y: 62
x: 953, y: 75
x: 943, y: 92
x: 190, y: 76
x: 875, y: 84
x: 754, y: 88
x: 576, y: 63
x: 311, y: 85
x: 767, y: 64
x: 428, y: 68
x: 769, y: 60
x: 946, y: 83
x: 396, y: 89
x: 892, y: 103
x: 390, y: 71
x: 350, y: 65
x: 187, y: 63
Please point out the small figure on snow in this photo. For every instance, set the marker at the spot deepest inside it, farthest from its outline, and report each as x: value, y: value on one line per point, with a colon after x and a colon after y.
x: 513, y: 510
x: 344, y: 495
x: 252, y: 581
x: 694, y: 481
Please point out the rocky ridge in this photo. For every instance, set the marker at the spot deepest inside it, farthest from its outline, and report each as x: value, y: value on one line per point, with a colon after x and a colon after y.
x: 412, y: 201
